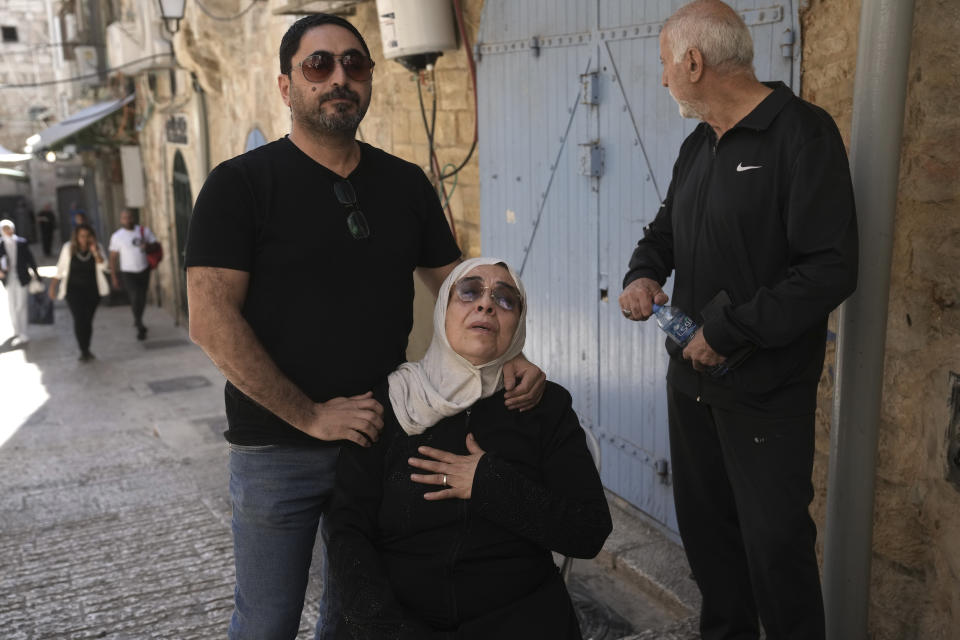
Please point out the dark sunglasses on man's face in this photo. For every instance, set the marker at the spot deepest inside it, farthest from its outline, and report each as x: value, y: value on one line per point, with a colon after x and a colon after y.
x: 319, y: 66
x: 356, y: 221
x: 472, y: 289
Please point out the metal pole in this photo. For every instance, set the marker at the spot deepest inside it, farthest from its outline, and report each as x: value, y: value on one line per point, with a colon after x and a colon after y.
x: 878, y: 110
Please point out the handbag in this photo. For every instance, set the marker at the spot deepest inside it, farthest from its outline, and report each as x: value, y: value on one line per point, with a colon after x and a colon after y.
x: 154, y: 251
x: 39, y: 309
x: 36, y: 285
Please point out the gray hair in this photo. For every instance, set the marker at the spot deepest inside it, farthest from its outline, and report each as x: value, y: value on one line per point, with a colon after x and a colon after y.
x: 715, y: 30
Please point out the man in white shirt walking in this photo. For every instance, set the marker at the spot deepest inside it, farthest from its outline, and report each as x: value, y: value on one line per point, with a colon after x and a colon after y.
x: 128, y: 263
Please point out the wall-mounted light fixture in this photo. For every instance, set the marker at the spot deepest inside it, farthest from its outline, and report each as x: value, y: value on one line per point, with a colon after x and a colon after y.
x: 172, y: 10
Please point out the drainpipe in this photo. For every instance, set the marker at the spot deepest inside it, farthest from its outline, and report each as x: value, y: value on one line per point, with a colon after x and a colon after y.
x: 201, y: 94
x: 878, y: 108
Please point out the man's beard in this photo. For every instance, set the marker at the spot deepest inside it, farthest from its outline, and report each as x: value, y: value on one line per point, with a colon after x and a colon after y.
x: 341, y: 122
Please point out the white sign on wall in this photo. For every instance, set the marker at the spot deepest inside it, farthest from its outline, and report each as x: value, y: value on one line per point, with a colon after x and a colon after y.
x: 134, y: 194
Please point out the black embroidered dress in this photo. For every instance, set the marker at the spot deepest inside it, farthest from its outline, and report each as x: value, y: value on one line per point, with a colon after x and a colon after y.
x: 405, y: 567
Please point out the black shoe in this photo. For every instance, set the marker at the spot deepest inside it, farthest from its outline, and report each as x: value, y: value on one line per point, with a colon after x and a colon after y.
x: 86, y: 356
x: 142, y: 333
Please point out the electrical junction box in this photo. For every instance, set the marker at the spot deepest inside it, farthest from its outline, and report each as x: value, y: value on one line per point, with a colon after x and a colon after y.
x: 139, y: 45
x: 416, y: 32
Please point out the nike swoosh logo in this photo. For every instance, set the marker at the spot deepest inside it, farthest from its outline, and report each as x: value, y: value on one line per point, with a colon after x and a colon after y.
x: 740, y: 167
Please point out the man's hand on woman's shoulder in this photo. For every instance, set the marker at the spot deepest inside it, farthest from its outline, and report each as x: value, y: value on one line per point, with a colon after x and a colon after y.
x: 357, y: 418
x: 524, y: 383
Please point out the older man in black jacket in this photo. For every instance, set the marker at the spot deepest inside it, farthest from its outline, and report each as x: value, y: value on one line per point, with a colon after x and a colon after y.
x: 16, y: 260
x: 759, y: 228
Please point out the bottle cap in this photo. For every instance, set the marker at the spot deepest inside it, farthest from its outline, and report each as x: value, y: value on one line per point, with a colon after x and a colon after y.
x: 657, y: 307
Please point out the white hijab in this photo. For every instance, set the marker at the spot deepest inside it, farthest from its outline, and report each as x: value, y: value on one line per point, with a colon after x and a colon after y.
x: 10, y: 243
x: 444, y: 383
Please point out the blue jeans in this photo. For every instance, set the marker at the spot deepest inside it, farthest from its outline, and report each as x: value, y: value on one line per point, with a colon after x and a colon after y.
x: 278, y: 495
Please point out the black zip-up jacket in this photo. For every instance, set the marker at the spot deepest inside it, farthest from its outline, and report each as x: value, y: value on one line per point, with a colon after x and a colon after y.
x: 767, y: 215
x: 406, y: 567
x: 25, y: 261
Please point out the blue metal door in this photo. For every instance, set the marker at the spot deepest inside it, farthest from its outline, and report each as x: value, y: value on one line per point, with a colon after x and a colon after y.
x: 577, y: 143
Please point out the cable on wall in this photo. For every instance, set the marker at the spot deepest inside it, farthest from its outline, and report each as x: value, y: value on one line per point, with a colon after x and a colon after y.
x: 87, y: 76
x: 440, y: 175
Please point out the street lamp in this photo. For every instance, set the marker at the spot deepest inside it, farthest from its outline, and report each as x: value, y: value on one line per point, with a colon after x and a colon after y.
x: 172, y: 10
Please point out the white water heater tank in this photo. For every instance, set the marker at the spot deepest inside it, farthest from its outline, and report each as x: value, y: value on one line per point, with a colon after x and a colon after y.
x: 415, y: 32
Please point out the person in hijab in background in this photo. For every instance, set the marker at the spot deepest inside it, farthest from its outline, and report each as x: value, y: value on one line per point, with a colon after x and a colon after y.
x: 16, y: 260
x: 445, y: 526
x: 81, y: 274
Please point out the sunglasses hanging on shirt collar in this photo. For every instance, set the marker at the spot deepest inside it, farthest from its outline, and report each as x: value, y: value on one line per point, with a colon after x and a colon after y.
x: 356, y: 221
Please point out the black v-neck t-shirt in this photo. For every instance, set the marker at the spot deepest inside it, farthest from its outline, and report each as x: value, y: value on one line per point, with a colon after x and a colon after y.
x: 332, y: 311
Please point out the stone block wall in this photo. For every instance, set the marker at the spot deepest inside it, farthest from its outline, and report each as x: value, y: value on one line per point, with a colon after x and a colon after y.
x: 27, y: 61
x: 916, y: 542
x: 395, y: 123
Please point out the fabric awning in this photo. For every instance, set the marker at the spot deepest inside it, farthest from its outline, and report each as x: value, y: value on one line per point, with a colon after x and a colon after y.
x: 9, y: 156
x: 13, y: 173
x: 74, y: 123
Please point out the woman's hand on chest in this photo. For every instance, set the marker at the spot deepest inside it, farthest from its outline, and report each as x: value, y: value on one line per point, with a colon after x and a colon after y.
x: 453, y: 473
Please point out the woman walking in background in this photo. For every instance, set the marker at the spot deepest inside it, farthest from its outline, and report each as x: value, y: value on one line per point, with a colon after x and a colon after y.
x: 81, y: 274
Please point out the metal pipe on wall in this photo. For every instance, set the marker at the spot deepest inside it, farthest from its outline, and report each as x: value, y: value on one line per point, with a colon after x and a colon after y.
x: 879, y: 97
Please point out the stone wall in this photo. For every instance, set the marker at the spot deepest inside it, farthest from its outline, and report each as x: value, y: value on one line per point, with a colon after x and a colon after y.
x: 395, y: 122
x: 27, y: 61
x: 916, y: 543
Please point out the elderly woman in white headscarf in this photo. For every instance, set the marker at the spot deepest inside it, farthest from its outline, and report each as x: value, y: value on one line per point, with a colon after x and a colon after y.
x: 444, y: 527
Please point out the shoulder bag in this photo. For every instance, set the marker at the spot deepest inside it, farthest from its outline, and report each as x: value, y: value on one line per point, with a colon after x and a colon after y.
x: 154, y: 250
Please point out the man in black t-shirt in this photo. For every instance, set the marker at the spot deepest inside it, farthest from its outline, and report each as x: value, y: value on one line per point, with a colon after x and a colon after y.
x: 759, y: 230
x: 299, y: 276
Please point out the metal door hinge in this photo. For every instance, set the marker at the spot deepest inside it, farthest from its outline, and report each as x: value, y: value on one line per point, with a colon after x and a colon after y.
x: 662, y: 467
x: 590, y: 88
x: 786, y: 43
x: 591, y: 159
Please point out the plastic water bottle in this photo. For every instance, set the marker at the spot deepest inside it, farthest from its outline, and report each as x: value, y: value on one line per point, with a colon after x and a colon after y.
x: 678, y: 326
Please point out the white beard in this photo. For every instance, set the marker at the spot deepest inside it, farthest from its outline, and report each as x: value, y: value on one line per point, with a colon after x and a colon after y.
x: 686, y: 108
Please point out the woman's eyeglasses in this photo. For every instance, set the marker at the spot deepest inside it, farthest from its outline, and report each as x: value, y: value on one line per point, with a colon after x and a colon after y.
x: 356, y: 222
x: 319, y: 66
x: 472, y: 289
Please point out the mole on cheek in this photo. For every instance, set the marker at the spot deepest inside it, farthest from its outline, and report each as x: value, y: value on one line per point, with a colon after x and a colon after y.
x: 314, y: 89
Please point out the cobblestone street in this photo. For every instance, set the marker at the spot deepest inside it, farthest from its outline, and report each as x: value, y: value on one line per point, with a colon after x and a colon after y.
x: 114, y: 514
